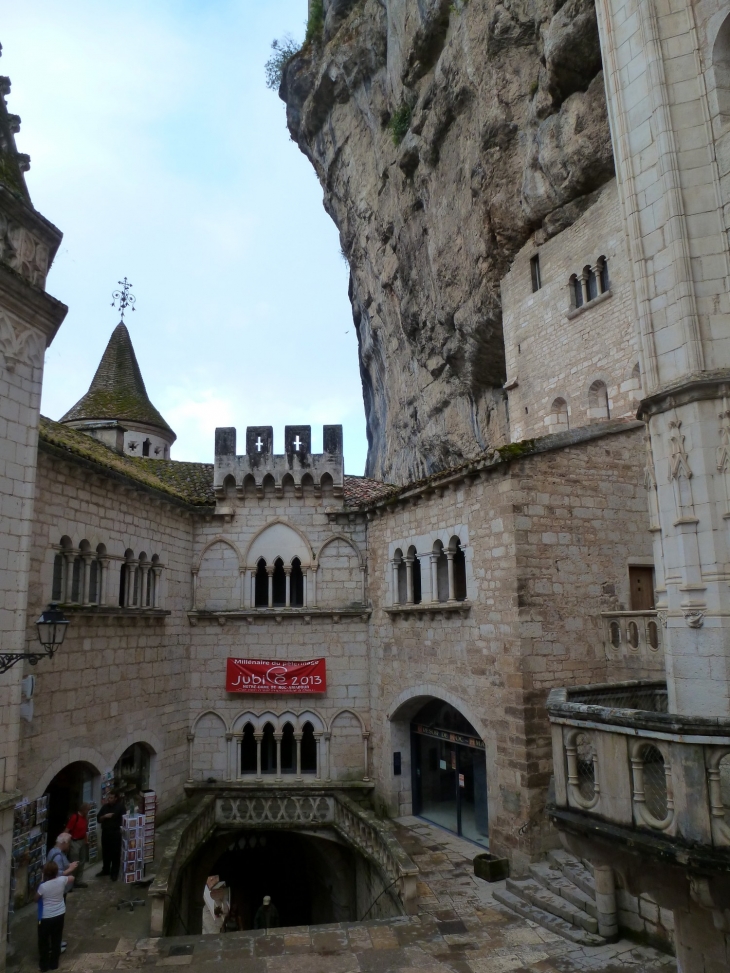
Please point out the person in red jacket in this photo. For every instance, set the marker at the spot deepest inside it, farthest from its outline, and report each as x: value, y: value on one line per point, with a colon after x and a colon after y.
x: 78, y: 828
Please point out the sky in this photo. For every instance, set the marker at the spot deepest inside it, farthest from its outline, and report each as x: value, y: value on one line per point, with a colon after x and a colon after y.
x: 159, y: 152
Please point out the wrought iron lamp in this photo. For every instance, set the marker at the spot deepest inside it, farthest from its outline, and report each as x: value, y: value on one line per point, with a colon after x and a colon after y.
x: 51, y: 632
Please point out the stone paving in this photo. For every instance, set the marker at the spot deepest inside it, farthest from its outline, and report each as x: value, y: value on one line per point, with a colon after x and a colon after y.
x: 460, y: 929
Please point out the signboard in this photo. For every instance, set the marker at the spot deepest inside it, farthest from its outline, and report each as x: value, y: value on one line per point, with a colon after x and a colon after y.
x: 275, y: 676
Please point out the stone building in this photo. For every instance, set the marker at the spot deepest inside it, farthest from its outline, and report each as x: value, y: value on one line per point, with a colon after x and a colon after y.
x: 439, y: 647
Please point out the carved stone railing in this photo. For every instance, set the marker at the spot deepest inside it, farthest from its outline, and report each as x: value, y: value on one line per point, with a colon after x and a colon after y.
x: 633, y: 634
x: 283, y: 808
x: 182, y: 843
x: 626, y: 767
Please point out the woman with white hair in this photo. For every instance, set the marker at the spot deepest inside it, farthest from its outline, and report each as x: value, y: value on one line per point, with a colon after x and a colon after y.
x: 59, y: 855
x: 216, y: 905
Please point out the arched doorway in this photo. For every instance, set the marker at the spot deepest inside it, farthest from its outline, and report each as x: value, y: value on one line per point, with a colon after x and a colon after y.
x: 132, y: 772
x: 69, y: 789
x: 449, y: 771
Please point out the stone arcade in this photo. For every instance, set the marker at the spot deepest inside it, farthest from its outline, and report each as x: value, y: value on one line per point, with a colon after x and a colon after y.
x: 481, y: 629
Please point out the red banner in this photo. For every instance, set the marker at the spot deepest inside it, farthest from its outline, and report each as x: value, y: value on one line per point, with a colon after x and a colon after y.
x: 266, y: 676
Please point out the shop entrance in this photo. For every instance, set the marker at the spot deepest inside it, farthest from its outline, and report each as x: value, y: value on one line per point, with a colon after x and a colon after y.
x: 449, y: 769
x: 69, y: 789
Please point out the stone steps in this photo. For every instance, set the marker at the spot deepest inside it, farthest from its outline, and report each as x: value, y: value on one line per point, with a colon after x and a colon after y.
x: 547, y: 920
x: 559, y: 894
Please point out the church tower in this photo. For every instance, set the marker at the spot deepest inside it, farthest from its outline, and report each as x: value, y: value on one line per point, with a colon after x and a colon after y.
x: 117, y: 409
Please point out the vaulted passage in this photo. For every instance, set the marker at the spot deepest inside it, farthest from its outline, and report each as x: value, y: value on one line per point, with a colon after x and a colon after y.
x: 310, y: 880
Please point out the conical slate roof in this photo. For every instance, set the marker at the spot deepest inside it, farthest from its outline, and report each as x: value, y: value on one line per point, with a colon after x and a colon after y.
x: 117, y: 390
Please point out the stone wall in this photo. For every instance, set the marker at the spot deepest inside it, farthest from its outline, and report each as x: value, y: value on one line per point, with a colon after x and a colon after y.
x: 120, y: 677
x: 554, y: 350
x: 548, y: 538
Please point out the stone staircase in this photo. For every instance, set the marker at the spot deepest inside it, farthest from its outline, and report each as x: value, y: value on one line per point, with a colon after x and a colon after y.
x: 559, y: 895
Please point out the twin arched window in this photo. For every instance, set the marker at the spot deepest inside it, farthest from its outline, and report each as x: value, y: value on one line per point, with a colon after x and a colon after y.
x: 442, y: 575
x: 81, y: 577
x: 139, y: 581
x: 589, y: 284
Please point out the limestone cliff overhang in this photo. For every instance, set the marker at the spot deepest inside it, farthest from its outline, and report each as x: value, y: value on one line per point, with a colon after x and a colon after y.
x: 187, y: 486
x: 388, y: 497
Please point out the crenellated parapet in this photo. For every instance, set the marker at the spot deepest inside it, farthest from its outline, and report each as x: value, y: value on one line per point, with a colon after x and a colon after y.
x: 260, y: 471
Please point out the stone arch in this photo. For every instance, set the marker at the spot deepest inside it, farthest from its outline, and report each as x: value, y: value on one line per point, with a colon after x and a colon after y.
x: 268, y: 485
x: 229, y: 486
x: 288, y: 487
x: 209, y: 758
x: 347, y: 540
x: 719, y: 86
x: 598, y: 404
x: 150, y: 740
x: 410, y: 700
x: 207, y: 712
x: 278, y: 546
x: 248, y: 487
x: 218, y: 583
x: 241, y: 719
x: 558, y: 419
x: 85, y: 755
x: 348, y: 739
x: 219, y: 539
x: 313, y: 717
x: 339, y: 573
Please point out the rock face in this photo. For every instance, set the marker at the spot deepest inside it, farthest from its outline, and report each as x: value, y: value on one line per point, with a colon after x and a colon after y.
x: 499, y: 114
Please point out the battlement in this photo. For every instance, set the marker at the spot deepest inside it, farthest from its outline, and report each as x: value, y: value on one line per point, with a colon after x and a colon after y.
x: 260, y: 469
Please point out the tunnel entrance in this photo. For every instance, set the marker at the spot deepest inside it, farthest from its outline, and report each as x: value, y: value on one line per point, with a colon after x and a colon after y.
x: 311, y: 879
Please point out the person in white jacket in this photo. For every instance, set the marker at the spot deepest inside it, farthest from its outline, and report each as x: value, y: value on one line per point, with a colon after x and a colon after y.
x: 216, y: 905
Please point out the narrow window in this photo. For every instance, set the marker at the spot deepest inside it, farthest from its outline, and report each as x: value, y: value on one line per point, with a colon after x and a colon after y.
x: 76, y: 581
x: 296, y: 591
x: 535, y: 273
x: 416, y: 580
x: 288, y: 750
x: 261, y: 585
x: 248, y: 751
x: 268, y: 751
x: 598, y: 401
x: 309, y: 750
x: 93, y: 582
x: 591, y: 283
x: 146, y: 447
x: 603, y: 268
x: 577, y: 289
x: 459, y: 573
x: 57, y: 589
x: 279, y: 583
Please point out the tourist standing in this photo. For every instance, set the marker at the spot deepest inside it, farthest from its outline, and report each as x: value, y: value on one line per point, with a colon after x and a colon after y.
x: 267, y: 915
x: 78, y: 828
x: 59, y: 855
x: 110, y: 817
x: 51, y: 892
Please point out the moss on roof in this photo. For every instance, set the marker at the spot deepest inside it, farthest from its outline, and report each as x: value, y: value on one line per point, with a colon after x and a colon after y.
x: 362, y: 490
x: 117, y: 390
x: 190, y: 483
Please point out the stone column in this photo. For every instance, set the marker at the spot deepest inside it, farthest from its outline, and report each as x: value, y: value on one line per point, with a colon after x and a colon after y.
x: 318, y: 741
x: 606, y: 901
x: 584, y: 287
x: 86, y: 578
x: 229, y: 756
x: 599, y: 282
x: 195, y: 589
x: 409, y: 578
x: 270, y: 579
x: 298, y: 742
x: 68, y: 560
x: 245, y: 585
x: 362, y: 585
x: 144, y: 570
x: 156, y: 575
x: 434, y: 559
x: 396, y: 589
x: 365, y: 738
x: 452, y: 589
x: 313, y: 575
x: 131, y: 567
x: 287, y: 579
x: 327, y: 738
x: 258, y: 737
x: 277, y: 739
x: 191, y: 741
x: 103, y: 579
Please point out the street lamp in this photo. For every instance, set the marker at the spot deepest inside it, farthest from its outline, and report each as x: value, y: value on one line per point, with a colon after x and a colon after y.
x: 51, y: 633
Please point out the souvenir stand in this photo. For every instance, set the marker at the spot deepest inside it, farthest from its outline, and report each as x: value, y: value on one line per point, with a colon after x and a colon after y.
x: 150, y: 813
x: 29, y: 850
x: 133, y: 847
x: 93, y: 844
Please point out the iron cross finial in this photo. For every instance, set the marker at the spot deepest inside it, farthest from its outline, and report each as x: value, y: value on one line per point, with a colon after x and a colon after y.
x: 126, y: 300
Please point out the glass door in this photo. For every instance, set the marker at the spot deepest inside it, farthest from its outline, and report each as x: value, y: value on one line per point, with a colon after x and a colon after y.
x: 436, y: 776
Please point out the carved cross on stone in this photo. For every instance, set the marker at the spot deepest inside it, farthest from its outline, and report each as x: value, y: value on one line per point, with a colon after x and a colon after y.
x: 298, y: 444
x: 259, y: 444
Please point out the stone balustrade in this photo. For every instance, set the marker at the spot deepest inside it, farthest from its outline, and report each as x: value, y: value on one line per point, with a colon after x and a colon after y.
x: 628, y: 769
x: 282, y: 808
x: 637, y: 634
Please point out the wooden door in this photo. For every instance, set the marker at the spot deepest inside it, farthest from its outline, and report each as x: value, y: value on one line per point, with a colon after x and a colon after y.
x: 641, y: 583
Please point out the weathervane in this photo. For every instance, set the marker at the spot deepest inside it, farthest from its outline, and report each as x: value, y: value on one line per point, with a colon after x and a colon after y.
x: 126, y: 300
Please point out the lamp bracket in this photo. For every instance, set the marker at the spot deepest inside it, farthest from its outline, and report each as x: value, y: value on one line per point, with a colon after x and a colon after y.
x: 8, y: 659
